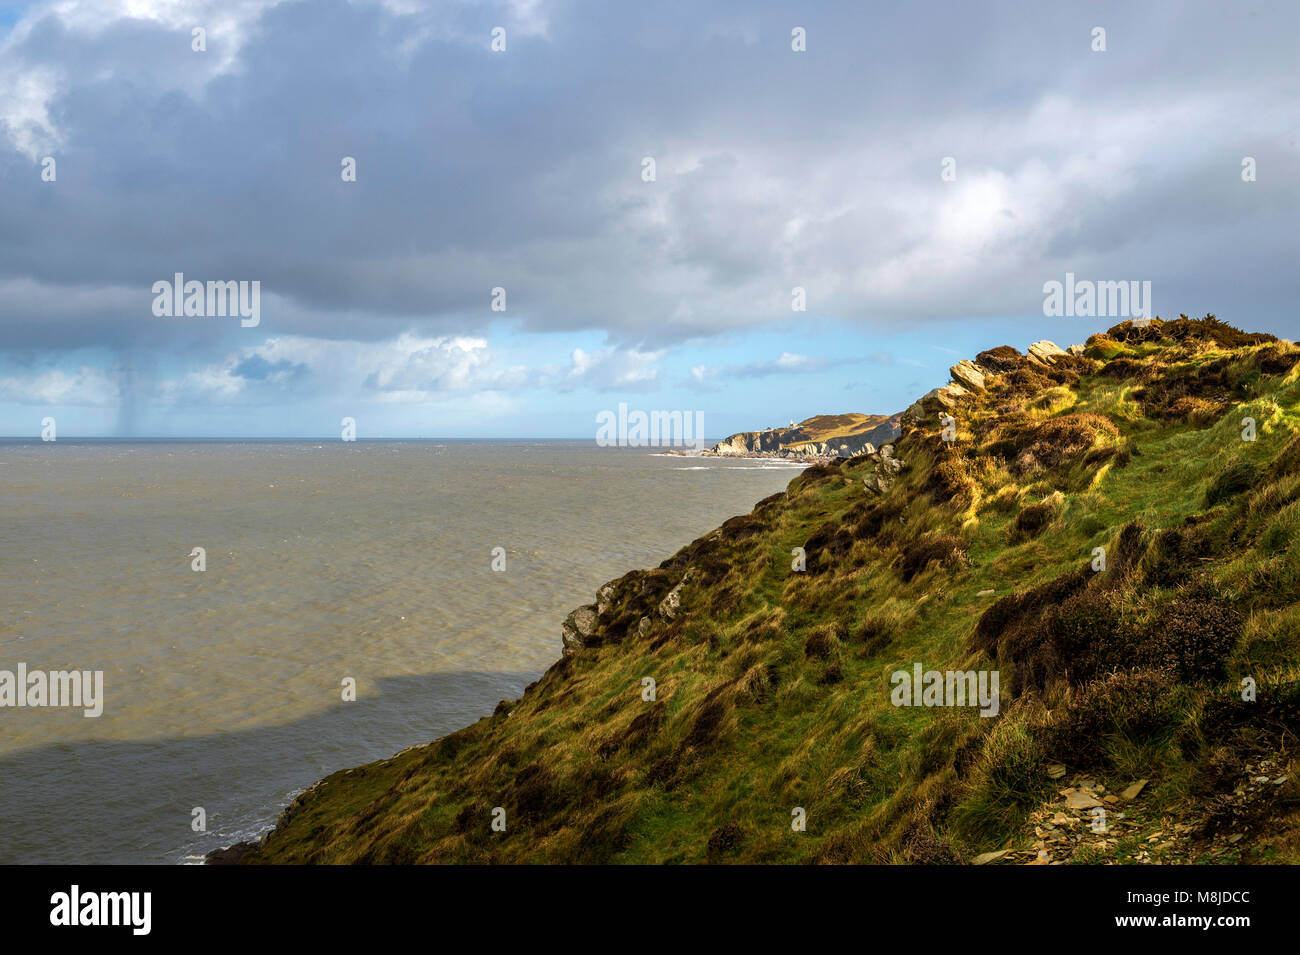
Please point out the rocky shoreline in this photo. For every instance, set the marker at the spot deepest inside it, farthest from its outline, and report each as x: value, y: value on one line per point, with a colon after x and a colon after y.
x: 787, y: 455
x: 817, y: 440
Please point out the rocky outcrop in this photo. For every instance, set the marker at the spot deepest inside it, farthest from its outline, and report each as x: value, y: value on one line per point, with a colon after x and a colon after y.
x: 670, y: 605
x: 886, y: 467
x: 1045, y: 352
x: 578, y: 627
x: 968, y: 374
x: 231, y: 854
x: 969, y: 377
x: 931, y: 403
x: 604, y: 597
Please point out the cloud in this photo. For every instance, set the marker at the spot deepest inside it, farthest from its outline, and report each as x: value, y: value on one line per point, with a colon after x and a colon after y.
x: 786, y: 363
x: 612, y: 369
x: 522, y: 169
x: 408, y: 368
x: 85, y: 387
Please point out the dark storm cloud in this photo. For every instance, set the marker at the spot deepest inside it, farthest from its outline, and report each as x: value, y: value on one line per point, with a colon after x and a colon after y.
x: 522, y: 169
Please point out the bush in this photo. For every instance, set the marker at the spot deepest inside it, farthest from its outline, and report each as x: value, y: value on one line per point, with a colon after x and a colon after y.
x: 949, y: 480
x: 945, y: 549
x: 823, y: 642
x: 1024, y: 381
x: 1189, y: 392
x: 1008, y: 626
x: 725, y: 838
x: 1052, y: 442
x: 1276, y: 359
x: 1195, y: 635
x: 1138, y: 704
x: 826, y: 546
x: 1184, y: 329
x: 1001, y: 360
x: 1034, y: 517
x: 923, y: 847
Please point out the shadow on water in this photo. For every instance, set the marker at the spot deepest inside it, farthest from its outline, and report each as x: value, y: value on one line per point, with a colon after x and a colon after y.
x: 131, y: 802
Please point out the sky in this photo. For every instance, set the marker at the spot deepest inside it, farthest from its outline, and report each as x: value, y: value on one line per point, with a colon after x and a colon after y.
x: 919, y: 171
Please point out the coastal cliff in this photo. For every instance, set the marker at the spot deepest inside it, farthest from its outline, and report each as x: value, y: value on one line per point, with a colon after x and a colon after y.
x: 818, y: 437
x: 1108, y: 528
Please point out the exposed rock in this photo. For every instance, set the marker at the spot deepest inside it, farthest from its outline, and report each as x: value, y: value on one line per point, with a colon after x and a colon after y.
x: 230, y: 855
x: 643, y: 627
x: 968, y: 374
x: 949, y: 393
x: 1081, y: 799
x: 883, y: 468
x: 577, y: 628
x: 669, y: 606
x: 913, y: 416
x: 1056, y: 770
x: 1044, y: 352
x: 1076, y: 349
x: 931, y: 403
x: 876, y: 483
x: 984, y: 858
x: 604, y: 597
x: 1131, y: 792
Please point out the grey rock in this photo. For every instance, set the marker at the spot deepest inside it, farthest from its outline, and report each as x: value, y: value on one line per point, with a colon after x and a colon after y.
x: 913, y: 416
x: 604, y: 597
x: 1134, y: 790
x: 670, y: 605
x: 577, y: 628
x: 1044, y: 352
x: 1081, y: 800
x: 969, y: 375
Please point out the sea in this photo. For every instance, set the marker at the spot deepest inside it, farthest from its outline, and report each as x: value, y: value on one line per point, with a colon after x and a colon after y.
x: 235, y: 594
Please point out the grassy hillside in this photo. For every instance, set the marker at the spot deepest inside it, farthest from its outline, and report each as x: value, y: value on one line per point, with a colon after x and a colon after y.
x: 824, y: 427
x: 773, y: 686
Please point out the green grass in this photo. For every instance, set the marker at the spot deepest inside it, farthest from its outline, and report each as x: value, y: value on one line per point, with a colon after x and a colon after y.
x: 774, y: 686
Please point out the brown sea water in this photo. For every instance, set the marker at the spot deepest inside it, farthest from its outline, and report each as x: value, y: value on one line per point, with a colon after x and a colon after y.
x: 369, y: 560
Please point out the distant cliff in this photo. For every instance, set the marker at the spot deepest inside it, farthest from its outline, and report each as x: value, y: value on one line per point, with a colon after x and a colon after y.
x: 821, y: 436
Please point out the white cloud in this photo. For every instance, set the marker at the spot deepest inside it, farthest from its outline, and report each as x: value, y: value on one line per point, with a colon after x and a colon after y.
x: 613, y: 368
x: 87, y: 387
